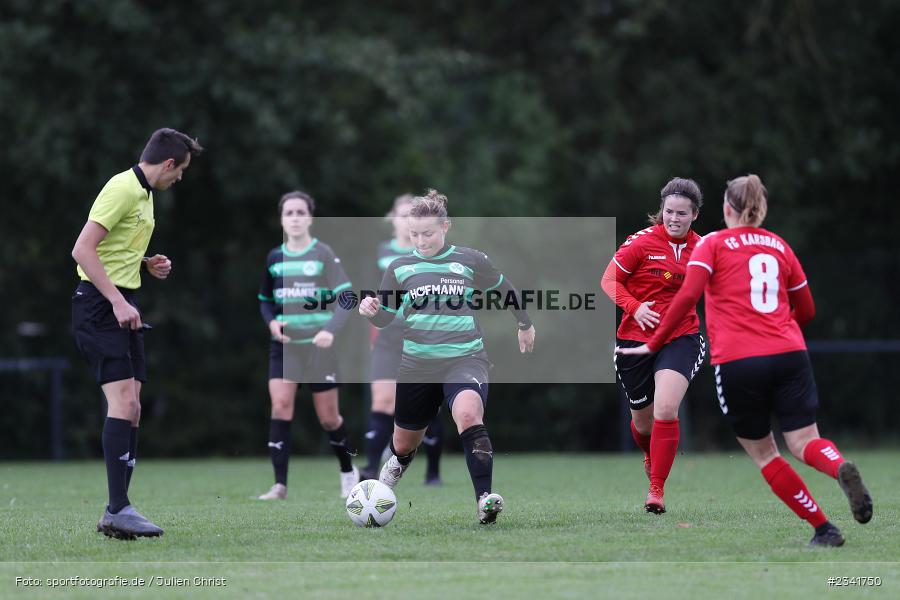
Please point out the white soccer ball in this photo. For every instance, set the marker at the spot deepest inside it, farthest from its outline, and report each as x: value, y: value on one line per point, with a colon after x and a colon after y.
x: 371, y: 504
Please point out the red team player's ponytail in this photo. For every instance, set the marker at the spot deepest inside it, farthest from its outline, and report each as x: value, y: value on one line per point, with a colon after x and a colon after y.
x: 748, y: 196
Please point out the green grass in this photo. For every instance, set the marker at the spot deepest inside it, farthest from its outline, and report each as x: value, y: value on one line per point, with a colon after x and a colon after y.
x: 573, y: 527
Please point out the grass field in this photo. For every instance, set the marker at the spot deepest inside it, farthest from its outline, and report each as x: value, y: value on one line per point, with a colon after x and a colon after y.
x: 573, y: 527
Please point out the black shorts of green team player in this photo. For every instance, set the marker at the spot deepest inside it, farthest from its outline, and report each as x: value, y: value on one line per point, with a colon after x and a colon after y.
x: 420, y: 397
x: 636, y: 374
x: 304, y: 363
x: 112, y: 352
x: 751, y: 390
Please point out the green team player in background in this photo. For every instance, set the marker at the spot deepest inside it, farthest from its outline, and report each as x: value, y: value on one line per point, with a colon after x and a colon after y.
x: 387, y: 345
x: 297, y: 299
x: 106, y: 320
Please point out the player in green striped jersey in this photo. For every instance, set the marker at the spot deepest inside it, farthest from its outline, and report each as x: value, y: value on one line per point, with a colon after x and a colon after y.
x: 297, y: 301
x: 386, y: 349
x: 443, y: 351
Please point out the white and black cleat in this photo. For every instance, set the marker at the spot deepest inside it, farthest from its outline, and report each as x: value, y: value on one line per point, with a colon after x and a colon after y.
x: 489, y: 506
x: 392, y: 471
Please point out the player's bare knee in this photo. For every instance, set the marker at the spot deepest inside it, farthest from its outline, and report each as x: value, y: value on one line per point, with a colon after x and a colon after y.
x: 402, y: 447
x: 643, y: 420
x: 797, y: 446
x: 330, y: 423
x: 465, y: 419
x: 383, y: 403
x: 282, y: 408
x: 666, y: 414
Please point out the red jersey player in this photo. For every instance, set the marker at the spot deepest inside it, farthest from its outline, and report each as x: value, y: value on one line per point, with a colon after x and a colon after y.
x: 752, y: 279
x: 642, y: 278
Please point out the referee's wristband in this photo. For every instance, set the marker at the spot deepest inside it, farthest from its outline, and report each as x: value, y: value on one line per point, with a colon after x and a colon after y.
x: 145, y: 261
x: 523, y: 326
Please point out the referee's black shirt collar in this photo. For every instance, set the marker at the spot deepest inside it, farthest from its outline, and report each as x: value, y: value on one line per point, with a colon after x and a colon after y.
x: 142, y: 179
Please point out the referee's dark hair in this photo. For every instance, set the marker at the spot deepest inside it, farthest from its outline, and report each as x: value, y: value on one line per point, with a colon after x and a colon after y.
x: 297, y: 194
x: 168, y: 143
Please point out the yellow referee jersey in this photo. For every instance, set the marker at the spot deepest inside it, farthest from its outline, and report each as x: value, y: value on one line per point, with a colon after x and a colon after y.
x: 125, y: 209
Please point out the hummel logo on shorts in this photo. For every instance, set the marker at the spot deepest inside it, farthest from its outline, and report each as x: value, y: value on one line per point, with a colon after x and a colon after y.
x: 276, y: 445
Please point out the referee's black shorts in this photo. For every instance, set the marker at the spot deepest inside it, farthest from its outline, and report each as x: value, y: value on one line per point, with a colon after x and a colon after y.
x: 684, y: 355
x: 751, y: 390
x: 112, y: 352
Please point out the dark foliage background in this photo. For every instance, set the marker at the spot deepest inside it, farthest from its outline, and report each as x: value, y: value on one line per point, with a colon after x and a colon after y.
x: 577, y: 107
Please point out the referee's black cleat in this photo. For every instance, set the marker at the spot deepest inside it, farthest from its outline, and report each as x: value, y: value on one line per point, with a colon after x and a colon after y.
x: 127, y: 524
x: 852, y: 484
x: 827, y: 535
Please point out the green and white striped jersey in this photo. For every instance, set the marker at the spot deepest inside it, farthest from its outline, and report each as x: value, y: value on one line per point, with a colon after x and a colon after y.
x: 300, y: 288
x: 431, y: 297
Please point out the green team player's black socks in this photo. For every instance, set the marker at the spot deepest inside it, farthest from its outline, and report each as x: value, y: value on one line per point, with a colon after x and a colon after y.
x: 404, y: 459
x: 280, y: 448
x: 434, y: 445
x: 381, y: 427
x: 479, y: 458
x: 338, y: 441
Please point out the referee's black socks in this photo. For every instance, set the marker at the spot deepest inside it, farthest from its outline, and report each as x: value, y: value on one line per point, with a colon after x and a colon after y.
x: 479, y: 458
x: 280, y: 448
x: 338, y: 441
x: 116, y: 442
x: 132, y: 452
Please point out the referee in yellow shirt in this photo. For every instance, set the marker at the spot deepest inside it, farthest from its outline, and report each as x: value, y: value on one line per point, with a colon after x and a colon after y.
x: 106, y: 321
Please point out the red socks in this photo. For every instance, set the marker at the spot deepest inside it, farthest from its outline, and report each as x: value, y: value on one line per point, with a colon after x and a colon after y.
x: 642, y: 441
x: 788, y: 486
x: 663, y: 447
x: 823, y: 455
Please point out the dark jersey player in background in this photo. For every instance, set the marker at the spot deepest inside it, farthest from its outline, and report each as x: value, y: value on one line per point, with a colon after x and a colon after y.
x: 443, y: 352
x: 106, y: 321
x: 642, y: 278
x: 757, y: 297
x: 297, y: 300
x: 386, y: 350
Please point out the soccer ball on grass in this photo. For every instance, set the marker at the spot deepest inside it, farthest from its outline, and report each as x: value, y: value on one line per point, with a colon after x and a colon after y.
x: 371, y: 504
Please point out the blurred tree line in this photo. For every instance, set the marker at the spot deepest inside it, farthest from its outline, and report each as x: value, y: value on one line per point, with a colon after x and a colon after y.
x: 577, y: 107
